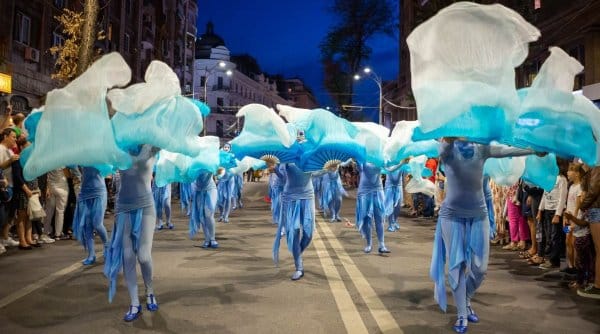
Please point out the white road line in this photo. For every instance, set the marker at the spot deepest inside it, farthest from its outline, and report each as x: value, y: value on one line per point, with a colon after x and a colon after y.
x: 41, y: 283
x: 348, y: 311
x: 384, y: 319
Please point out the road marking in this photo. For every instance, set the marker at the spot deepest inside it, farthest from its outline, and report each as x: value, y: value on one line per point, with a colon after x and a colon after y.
x: 384, y: 319
x: 44, y: 281
x: 348, y: 311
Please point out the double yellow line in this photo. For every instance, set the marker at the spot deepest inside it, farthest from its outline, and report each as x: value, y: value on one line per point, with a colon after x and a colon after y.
x: 346, y: 306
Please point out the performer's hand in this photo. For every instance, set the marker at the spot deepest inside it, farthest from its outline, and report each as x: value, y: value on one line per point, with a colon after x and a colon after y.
x: 556, y: 219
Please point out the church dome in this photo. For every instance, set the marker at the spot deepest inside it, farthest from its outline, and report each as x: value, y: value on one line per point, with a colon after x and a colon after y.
x: 207, y: 41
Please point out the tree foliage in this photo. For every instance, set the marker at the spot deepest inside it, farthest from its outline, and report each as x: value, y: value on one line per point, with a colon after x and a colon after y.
x: 69, y: 63
x: 68, y: 53
x: 345, y: 48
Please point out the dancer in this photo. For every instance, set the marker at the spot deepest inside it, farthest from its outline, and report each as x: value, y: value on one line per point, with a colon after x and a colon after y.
x: 238, y: 183
x: 162, y: 202
x: 462, y: 232
x: 333, y: 190
x: 276, y: 184
x: 298, y: 214
x: 393, y: 196
x: 369, y: 205
x: 185, y: 197
x: 89, y: 212
x: 225, y: 189
x: 132, y: 235
x: 204, y: 202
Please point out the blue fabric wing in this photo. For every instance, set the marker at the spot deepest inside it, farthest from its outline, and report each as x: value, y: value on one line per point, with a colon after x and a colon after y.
x: 505, y: 171
x: 155, y: 113
x: 417, y: 184
x: 328, y: 138
x: 467, y: 77
x: 175, y: 167
x: 552, y: 119
x: 265, y: 134
x: 74, y: 128
x: 373, y: 137
x: 541, y: 171
x: 400, y: 144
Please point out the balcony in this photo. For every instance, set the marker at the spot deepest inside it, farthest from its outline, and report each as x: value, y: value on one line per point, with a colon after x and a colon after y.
x: 221, y: 88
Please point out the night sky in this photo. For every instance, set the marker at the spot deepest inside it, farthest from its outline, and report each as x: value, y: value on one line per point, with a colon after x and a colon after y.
x: 284, y: 38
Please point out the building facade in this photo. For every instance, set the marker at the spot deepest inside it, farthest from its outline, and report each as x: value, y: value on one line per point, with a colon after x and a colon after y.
x: 226, y: 83
x: 140, y: 30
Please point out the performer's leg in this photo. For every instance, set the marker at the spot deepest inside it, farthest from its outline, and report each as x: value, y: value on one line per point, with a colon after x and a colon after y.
x: 460, y: 299
x: 144, y: 256
x: 129, y: 266
x: 297, y: 253
x: 379, y: 229
x: 98, y: 221
x: 337, y: 205
x: 167, y: 206
x: 367, y: 231
x: 209, y: 218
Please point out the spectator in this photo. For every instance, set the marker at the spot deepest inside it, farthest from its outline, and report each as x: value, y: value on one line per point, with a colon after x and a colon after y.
x: 590, y: 204
x: 8, y: 140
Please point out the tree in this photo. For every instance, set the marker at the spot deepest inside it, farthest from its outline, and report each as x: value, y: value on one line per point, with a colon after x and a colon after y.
x: 344, y: 48
x: 77, y: 52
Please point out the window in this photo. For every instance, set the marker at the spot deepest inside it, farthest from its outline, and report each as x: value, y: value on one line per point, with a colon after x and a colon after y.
x: 60, y: 4
x: 22, y: 28
x: 220, y: 83
x: 57, y: 39
x: 220, y: 101
x: 202, y: 81
x: 219, y: 128
x: 126, y: 40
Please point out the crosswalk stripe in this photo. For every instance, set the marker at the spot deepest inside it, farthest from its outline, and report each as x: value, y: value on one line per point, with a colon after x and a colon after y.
x: 384, y: 319
x: 348, y: 311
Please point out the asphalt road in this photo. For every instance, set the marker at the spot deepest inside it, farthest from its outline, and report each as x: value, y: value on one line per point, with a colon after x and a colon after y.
x: 237, y: 289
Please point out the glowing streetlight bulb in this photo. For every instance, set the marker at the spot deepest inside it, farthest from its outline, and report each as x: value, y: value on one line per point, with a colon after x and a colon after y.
x: 229, y: 73
x: 222, y: 64
x: 367, y: 70
x: 356, y: 77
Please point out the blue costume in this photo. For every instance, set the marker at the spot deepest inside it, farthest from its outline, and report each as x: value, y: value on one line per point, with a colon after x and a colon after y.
x: 225, y: 189
x: 238, y: 184
x: 276, y: 184
x: 89, y: 212
x: 393, y: 198
x: 162, y: 202
x: 462, y: 233
x: 204, y: 202
x: 298, y: 214
x: 133, y: 231
x: 370, y: 205
x: 332, y: 194
x: 489, y: 204
x: 185, y: 197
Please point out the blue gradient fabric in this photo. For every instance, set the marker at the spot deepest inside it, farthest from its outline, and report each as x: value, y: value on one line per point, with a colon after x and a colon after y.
x: 463, y: 64
x: 400, y: 144
x: 76, y: 117
x: 541, y: 171
x: 504, y: 171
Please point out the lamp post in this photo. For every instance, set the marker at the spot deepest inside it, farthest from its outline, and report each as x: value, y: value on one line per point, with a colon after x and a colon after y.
x: 373, y: 76
x: 208, y: 72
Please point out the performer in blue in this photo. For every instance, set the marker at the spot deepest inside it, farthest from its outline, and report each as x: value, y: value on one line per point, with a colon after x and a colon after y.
x: 89, y: 212
x: 393, y: 195
x: 225, y: 189
x: 133, y: 231
x: 204, y: 202
x: 276, y: 185
x: 462, y: 233
x: 370, y: 205
x: 333, y: 190
x: 298, y: 214
x: 185, y: 197
x: 489, y: 204
x: 162, y: 202
x: 238, y: 182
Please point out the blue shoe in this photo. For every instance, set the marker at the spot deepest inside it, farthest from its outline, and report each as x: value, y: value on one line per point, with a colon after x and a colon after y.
x: 391, y: 228
x: 89, y: 261
x: 220, y: 219
x: 133, y: 313
x: 384, y: 250
x: 151, y: 303
x: 160, y: 227
x: 298, y: 274
x: 170, y: 226
x: 368, y: 249
x: 338, y: 219
x: 206, y: 244
x: 472, y: 317
x: 460, y: 326
x: 226, y: 221
x: 214, y: 244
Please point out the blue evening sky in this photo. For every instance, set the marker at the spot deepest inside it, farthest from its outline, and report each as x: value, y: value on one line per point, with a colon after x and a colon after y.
x: 284, y: 37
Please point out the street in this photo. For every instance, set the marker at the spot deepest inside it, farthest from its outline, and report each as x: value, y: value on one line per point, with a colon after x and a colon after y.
x: 237, y: 289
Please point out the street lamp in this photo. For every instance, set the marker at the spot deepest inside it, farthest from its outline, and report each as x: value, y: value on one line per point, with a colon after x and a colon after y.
x: 373, y: 76
x: 208, y: 72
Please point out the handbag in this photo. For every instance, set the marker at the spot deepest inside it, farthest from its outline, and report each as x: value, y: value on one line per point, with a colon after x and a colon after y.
x: 35, y: 211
